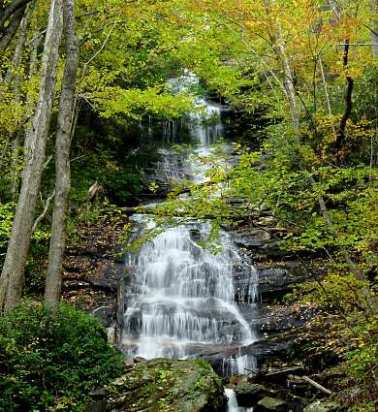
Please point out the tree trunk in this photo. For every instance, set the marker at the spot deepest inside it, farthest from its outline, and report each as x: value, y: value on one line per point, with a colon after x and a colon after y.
x: 12, y: 276
x: 340, y: 136
x: 7, y: 12
x: 7, y: 32
x: 289, y: 86
x: 288, y: 78
x: 374, y: 33
x: 12, y: 74
x: 62, y: 160
x: 13, y: 78
x: 326, y: 93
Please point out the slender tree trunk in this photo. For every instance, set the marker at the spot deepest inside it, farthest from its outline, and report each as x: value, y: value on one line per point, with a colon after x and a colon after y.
x: 14, y: 167
x: 12, y: 276
x: 340, y: 136
x: 288, y: 77
x: 325, y: 87
x: 33, y: 67
x: 13, y: 74
x: 7, y: 32
x: 13, y: 78
x: 326, y: 93
x: 289, y: 86
x: 7, y: 11
x: 62, y: 160
x: 374, y: 34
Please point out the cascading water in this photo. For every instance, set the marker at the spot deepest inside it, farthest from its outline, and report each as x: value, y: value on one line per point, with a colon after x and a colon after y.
x: 233, y: 402
x: 181, y: 300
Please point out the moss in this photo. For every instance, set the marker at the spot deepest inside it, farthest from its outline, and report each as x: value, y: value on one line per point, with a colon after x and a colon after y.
x: 167, y: 385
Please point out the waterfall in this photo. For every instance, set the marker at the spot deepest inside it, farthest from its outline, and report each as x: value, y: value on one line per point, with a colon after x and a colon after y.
x: 232, y: 403
x: 184, y: 296
x: 182, y: 299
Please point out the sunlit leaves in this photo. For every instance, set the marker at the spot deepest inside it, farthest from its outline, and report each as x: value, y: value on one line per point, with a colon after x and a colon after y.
x: 136, y: 103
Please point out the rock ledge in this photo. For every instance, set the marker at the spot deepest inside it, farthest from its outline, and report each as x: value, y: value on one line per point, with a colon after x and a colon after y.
x: 166, y: 386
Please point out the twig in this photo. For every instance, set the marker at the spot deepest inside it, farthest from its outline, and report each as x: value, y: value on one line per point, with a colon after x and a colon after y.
x: 45, y: 210
x: 102, y: 46
x: 47, y: 162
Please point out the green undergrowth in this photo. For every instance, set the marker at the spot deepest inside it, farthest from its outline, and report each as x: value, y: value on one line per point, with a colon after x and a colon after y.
x: 52, y: 362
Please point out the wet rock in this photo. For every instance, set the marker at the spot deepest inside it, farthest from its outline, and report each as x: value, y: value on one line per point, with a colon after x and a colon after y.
x: 93, y: 264
x: 281, y: 318
x: 322, y: 406
x: 262, y: 241
x: 167, y: 385
x: 296, y: 403
x: 248, y: 394
x: 105, y: 314
x: 129, y: 363
x: 275, y: 280
x: 279, y: 376
x: 269, y: 404
x: 252, y: 238
x: 98, y: 402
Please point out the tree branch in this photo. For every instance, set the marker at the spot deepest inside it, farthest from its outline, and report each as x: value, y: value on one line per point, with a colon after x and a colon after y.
x: 44, y: 213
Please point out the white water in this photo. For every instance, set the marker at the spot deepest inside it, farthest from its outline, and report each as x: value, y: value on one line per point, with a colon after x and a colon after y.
x: 232, y: 404
x: 183, y: 298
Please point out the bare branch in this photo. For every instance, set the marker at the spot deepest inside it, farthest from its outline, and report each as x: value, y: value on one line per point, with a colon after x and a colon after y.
x: 44, y: 213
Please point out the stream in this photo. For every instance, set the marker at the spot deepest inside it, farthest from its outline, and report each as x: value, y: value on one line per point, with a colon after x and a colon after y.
x: 181, y: 299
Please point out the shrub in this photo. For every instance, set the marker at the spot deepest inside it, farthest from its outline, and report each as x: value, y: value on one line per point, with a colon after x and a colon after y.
x: 52, y: 361
x: 6, y: 218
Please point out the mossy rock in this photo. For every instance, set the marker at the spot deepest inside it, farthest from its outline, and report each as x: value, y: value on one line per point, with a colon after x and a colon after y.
x: 163, y: 385
x: 322, y: 406
x: 268, y: 404
x: 248, y: 394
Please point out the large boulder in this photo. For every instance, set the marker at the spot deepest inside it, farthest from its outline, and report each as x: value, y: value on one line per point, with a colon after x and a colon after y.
x: 167, y: 386
x: 269, y: 404
x: 248, y: 394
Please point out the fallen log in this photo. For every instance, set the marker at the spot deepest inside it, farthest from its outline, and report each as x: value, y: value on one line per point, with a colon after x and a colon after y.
x: 317, y: 385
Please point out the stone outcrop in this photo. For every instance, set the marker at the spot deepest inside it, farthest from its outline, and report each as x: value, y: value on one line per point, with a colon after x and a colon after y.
x: 268, y: 404
x: 248, y: 394
x: 93, y: 264
x: 166, y: 386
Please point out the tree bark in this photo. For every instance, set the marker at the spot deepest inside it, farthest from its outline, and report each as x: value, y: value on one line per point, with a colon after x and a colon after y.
x: 374, y: 33
x: 13, y: 74
x: 10, y: 18
x: 289, y: 86
x: 7, y: 32
x: 62, y: 160
x: 340, y: 136
x: 6, y: 12
x: 288, y: 77
x: 13, y: 78
x: 12, y: 276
